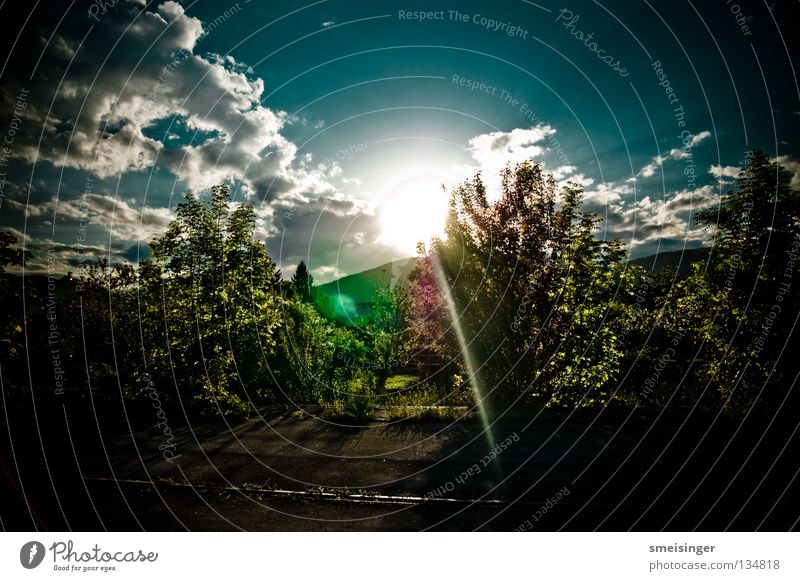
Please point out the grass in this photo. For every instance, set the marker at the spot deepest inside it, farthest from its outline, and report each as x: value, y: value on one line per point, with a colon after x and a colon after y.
x: 400, y: 382
x: 426, y: 413
x: 403, y: 398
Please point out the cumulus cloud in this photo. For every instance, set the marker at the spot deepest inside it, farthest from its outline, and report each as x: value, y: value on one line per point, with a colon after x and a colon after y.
x: 98, y: 119
x: 791, y: 165
x: 605, y: 194
x: 673, y: 217
x: 334, y: 236
x: 120, y: 218
x: 724, y: 174
x: 494, y: 150
x: 108, y: 115
x: 674, y: 154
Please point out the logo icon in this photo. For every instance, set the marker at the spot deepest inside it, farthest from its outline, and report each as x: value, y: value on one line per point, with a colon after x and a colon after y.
x: 31, y: 554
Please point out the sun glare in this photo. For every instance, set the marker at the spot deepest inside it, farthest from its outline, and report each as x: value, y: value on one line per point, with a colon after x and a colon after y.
x: 414, y: 212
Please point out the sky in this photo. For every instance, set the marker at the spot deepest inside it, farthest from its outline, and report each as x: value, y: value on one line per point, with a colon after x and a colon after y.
x: 341, y: 121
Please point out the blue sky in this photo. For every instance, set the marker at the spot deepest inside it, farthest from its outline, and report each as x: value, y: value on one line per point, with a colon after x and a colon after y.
x: 340, y: 120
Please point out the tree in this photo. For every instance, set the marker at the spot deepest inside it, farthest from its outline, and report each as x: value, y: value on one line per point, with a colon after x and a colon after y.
x: 10, y: 255
x: 745, y: 303
x: 303, y: 283
x: 384, y: 334
x: 213, y: 285
x: 531, y: 290
x: 432, y: 345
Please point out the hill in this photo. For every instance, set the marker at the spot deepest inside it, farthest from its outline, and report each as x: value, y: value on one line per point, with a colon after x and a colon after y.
x: 680, y: 259
x: 347, y: 298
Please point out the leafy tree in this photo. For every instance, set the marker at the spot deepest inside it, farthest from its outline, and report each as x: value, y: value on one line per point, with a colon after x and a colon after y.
x: 431, y: 344
x: 385, y: 334
x: 213, y: 287
x: 531, y: 289
x: 745, y: 301
x: 316, y: 358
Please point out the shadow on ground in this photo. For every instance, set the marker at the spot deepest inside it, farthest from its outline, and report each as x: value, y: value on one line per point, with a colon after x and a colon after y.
x: 78, y: 468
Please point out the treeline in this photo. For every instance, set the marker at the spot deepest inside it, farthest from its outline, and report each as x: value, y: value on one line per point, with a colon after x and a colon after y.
x: 553, y: 316
x: 206, y: 321
x: 520, y: 305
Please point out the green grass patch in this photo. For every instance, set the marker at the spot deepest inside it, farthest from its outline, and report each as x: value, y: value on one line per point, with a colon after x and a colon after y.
x: 400, y: 382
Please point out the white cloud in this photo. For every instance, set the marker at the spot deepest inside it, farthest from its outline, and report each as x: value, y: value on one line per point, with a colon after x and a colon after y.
x: 605, y: 194
x: 563, y: 171
x: 578, y: 179
x: 791, y: 165
x: 121, y: 219
x: 672, y: 217
x: 674, y: 154
x: 696, y: 139
x: 725, y: 173
x: 494, y: 150
x: 99, y: 119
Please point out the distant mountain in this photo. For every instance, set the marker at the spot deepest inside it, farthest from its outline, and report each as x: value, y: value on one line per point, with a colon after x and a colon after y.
x: 349, y: 297
x: 680, y: 259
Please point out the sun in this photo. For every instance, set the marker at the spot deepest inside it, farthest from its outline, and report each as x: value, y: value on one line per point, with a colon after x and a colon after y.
x: 415, y: 211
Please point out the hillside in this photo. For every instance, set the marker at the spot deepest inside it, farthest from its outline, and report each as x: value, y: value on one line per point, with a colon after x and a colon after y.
x: 349, y: 297
x: 680, y: 259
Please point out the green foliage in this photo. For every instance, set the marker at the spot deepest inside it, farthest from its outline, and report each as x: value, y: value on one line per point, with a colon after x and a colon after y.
x: 400, y: 382
x: 354, y: 400
x: 533, y: 289
x: 303, y: 283
x: 432, y: 343
x: 548, y: 312
x: 747, y: 297
x: 211, y: 286
x: 384, y: 334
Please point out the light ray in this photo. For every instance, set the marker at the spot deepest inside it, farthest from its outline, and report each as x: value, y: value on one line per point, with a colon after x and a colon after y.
x: 472, y: 377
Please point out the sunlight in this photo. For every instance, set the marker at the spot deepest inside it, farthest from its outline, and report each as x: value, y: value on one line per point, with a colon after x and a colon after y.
x: 415, y: 211
x: 466, y: 355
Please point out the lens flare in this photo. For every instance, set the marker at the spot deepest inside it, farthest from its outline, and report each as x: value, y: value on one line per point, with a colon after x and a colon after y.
x: 472, y: 376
